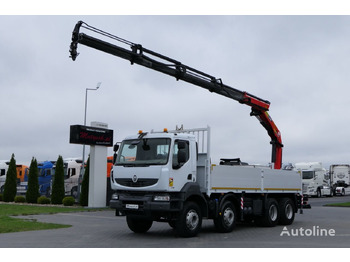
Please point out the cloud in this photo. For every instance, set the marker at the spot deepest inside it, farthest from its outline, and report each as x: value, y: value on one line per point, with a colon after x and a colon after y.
x: 298, y: 63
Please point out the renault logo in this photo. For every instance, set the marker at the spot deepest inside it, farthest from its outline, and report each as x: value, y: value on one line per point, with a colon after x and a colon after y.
x: 134, y: 179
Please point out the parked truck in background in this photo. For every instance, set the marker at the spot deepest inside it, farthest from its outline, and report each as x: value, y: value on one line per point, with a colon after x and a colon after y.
x: 315, y: 179
x: 72, y: 167
x: 340, y: 179
x: 45, y: 175
x: 22, y: 171
x: 4, y: 166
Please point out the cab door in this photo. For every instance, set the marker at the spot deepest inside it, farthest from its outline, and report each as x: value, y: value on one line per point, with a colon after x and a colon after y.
x: 183, y: 165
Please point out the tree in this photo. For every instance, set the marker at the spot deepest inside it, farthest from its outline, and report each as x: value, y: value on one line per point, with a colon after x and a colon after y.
x: 58, y: 183
x: 33, y: 183
x: 10, y: 188
x: 84, y: 196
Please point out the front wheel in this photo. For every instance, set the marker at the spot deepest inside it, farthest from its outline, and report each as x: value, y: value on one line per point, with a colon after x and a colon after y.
x: 138, y: 225
x: 48, y: 192
x: 226, y: 221
x: 189, y: 222
x: 74, y: 192
x: 319, y: 194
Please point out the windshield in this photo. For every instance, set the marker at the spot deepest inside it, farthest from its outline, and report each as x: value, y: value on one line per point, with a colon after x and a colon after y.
x: 308, y: 174
x: 153, y: 151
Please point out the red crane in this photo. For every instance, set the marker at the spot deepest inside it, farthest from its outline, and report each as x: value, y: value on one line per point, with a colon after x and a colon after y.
x: 137, y: 54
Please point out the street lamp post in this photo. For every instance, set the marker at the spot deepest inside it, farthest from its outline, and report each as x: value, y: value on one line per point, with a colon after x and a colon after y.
x: 83, y: 167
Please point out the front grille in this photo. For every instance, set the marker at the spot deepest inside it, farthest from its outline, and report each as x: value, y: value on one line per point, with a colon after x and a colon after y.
x: 141, y: 182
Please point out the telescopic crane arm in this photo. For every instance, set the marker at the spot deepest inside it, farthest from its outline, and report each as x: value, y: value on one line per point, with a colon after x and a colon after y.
x: 145, y: 57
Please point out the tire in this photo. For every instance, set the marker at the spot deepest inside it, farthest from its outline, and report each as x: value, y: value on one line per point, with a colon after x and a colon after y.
x: 189, y: 222
x: 74, y: 192
x: 138, y: 225
x: 48, y: 192
x: 226, y: 221
x: 343, y: 192
x: 331, y: 193
x: 271, y: 215
x: 319, y: 194
x: 286, y: 211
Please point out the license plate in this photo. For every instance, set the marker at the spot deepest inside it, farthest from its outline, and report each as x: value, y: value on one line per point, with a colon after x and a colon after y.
x: 132, y: 206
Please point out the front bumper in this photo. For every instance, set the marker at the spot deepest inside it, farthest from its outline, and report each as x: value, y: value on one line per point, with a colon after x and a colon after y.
x: 143, y: 204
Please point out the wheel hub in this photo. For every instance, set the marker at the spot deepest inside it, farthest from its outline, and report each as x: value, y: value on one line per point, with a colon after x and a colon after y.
x: 192, y: 219
x: 229, y: 216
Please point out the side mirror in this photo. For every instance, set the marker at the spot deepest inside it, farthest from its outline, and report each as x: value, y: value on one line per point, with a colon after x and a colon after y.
x: 114, y: 157
x: 115, y: 149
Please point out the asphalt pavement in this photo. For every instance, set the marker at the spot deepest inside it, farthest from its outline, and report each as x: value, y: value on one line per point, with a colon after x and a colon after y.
x: 318, y: 227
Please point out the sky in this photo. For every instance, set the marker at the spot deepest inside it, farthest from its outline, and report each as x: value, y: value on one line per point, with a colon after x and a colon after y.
x: 298, y: 63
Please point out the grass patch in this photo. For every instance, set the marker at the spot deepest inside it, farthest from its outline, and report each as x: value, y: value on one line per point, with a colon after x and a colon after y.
x: 346, y: 204
x: 9, y: 224
x: 23, y: 210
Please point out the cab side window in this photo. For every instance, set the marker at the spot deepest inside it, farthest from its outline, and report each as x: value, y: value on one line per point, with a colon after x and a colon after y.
x: 181, y: 153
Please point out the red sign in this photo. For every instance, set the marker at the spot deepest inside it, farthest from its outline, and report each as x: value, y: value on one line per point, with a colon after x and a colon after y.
x: 87, y: 135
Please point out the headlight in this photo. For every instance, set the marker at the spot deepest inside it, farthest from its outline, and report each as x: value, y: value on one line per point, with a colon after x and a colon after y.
x: 161, y: 198
x: 115, y: 197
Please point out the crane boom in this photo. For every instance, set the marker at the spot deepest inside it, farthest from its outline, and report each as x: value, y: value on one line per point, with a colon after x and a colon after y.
x: 148, y: 58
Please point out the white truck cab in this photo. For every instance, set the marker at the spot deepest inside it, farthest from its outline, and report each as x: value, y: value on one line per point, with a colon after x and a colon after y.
x: 340, y: 179
x: 314, y: 178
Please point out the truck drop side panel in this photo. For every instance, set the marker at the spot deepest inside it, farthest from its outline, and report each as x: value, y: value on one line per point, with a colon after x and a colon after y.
x: 253, y: 180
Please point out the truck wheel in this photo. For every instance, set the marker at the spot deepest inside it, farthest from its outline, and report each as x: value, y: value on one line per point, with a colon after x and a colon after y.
x: 319, y: 193
x: 226, y: 221
x: 189, y: 222
x: 74, y: 192
x: 271, y: 214
x: 343, y: 192
x: 331, y: 193
x: 48, y: 192
x: 286, y: 209
x: 138, y: 225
